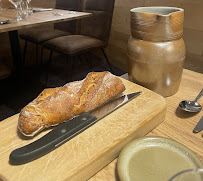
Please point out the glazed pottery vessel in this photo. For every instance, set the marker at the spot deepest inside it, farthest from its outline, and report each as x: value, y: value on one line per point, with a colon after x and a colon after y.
x: 156, y: 50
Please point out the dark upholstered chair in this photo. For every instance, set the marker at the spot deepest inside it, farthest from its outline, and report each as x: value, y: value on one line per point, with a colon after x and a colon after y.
x: 94, y: 31
x: 39, y: 36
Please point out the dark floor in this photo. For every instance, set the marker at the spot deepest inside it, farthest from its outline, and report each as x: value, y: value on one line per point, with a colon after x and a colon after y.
x: 15, y: 93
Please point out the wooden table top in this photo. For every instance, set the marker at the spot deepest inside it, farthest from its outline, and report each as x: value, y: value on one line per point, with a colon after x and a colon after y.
x: 37, y: 18
x: 177, y: 125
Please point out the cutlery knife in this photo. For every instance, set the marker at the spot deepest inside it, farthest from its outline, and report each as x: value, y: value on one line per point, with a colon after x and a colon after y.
x: 66, y: 131
x: 4, y: 22
x: 35, y: 10
x: 199, y: 126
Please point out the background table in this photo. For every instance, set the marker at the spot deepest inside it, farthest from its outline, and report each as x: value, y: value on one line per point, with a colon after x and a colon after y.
x: 36, y: 19
x: 177, y: 125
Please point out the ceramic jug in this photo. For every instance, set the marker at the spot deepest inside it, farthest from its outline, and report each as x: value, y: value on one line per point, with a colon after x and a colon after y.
x: 156, y: 50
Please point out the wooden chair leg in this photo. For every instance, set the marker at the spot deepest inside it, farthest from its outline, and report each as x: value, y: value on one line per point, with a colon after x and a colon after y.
x: 37, y: 54
x: 80, y: 59
x: 70, y: 60
x: 50, y: 56
x: 24, y: 52
x: 48, y: 66
x: 88, y: 59
x: 107, y: 60
x: 41, y: 55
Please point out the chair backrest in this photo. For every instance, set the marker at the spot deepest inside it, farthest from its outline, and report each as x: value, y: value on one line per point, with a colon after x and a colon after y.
x: 72, y: 5
x: 98, y: 25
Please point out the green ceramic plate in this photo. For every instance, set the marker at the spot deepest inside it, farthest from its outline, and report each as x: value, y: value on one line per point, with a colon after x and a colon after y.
x: 154, y: 159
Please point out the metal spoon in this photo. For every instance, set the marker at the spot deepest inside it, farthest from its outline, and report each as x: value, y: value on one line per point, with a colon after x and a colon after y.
x: 4, y: 22
x: 192, y: 106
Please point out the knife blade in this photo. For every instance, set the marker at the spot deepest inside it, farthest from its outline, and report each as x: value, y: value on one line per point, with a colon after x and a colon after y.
x: 199, y: 126
x: 35, y: 10
x: 66, y: 131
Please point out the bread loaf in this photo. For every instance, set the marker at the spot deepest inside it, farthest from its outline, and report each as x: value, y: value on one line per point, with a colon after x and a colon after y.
x: 55, y: 105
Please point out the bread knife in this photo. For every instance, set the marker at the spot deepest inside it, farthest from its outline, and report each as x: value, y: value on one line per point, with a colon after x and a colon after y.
x: 199, y: 126
x: 66, y: 131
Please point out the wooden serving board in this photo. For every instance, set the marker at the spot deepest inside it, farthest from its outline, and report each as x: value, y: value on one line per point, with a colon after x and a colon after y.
x: 87, y: 153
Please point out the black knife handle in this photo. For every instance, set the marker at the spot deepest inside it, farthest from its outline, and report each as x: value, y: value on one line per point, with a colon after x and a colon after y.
x: 52, y: 140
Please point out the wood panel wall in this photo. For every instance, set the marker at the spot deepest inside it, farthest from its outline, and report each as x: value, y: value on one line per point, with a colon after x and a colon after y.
x: 193, y: 30
x: 120, y: 31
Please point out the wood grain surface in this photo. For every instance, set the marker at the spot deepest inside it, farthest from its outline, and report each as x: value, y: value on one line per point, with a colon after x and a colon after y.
x: 38, y: 18
x: 177, y: 125
x: 87, y: 153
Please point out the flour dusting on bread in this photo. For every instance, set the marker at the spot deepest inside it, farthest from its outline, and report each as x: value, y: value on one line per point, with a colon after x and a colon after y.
x: 56, y: 105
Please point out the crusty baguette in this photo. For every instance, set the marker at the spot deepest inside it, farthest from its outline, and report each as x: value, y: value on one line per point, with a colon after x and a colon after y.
x: 55, y: 105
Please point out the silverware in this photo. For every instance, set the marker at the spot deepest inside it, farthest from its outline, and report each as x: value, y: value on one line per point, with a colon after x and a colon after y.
x: 11, y: 7
x: 4, y: 22
x: 57, y: 14
x: 66, y: 131
x: 41, y: 9
x: 199, y: 126
x: 192, y: 106
x: 72, y: 12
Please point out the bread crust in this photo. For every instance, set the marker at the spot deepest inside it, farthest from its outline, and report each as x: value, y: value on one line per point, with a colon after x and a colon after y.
x: 56, y: 105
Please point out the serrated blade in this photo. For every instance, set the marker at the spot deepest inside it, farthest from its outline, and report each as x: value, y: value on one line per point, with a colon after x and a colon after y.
x: 111, y: 106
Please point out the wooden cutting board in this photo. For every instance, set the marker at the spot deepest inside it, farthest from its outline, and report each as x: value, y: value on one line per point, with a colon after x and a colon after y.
x: 90, y: 151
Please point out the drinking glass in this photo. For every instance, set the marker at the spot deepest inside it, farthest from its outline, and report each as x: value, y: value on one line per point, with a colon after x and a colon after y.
x: 24, y: 9
x: 188, y: 175
x: 29, y: 7
x: 0, y: 6
x: 17, y: 6
x: 15, y: 2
